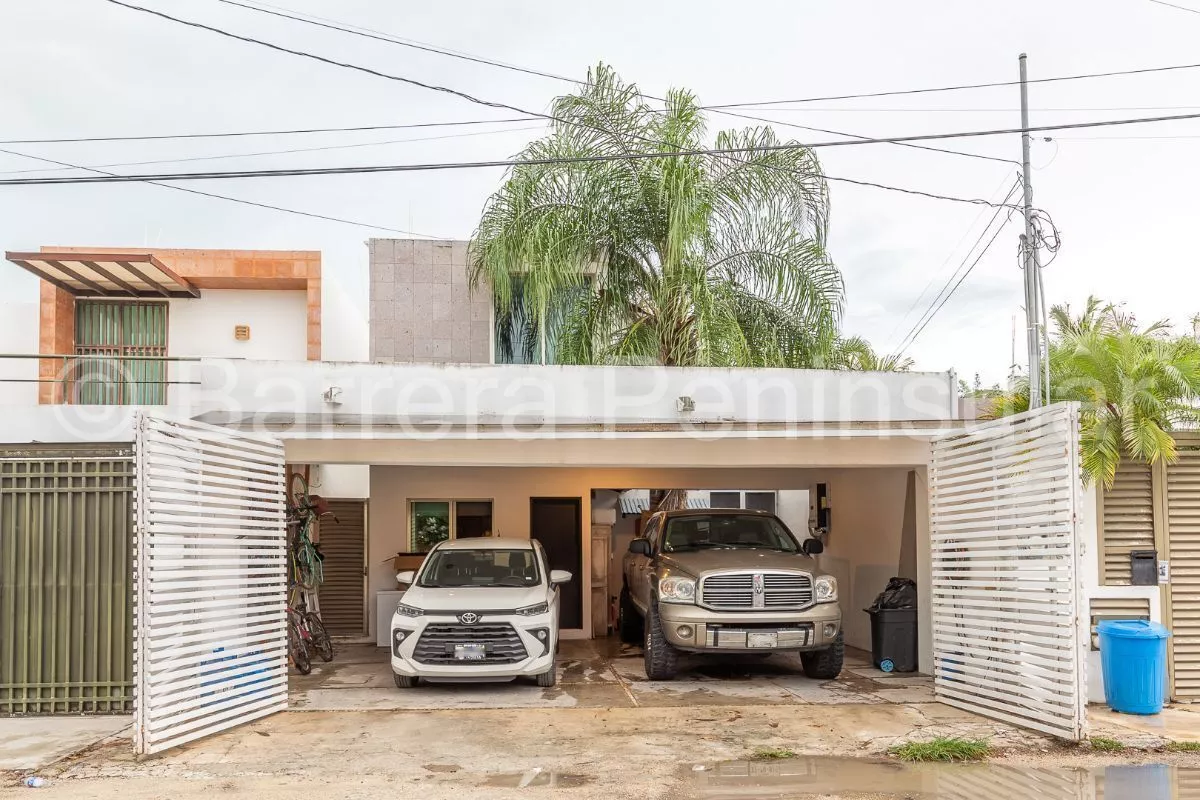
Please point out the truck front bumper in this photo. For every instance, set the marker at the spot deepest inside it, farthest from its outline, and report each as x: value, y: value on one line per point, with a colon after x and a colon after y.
x: 699, y: 630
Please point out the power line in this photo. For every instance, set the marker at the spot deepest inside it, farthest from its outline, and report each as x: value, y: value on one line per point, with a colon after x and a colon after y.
x: 929, y: 90
x: 284, y: 132
x: 333, y: 62
x: 715, y: 151
x: 912, y: 338
x: 1172, y: 5
x: 279, y: 152
x: 463, y: 95
x: 381, y: 36
x: 242, y: 201
x: 934, y: 274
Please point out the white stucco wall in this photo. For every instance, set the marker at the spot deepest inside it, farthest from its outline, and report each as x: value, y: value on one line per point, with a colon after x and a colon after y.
x: 865, y: 543
x: 863, y: 547
x: 18, y: 334
x: 792, y: 507
x: 278, y: 323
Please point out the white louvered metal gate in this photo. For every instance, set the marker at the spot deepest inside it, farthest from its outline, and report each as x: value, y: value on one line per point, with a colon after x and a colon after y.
x: 1010, y: 626
x: 211, y: 583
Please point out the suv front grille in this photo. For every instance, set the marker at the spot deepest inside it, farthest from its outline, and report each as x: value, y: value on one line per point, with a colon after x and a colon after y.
x: 735, y: 592
x: 436, y: 645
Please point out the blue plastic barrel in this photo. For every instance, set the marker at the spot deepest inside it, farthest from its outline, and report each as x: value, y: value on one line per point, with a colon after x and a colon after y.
x: 1133, y: 656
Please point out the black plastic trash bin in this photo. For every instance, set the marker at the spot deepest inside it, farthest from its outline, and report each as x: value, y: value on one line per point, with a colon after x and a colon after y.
x: 894, y: 639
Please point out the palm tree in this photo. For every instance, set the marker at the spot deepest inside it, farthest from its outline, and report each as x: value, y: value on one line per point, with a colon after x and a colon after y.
x: 688, y: 260
x: 856, y: 353
x: 1134, y: 385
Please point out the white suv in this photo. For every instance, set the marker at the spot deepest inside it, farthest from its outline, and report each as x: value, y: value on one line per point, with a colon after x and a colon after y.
x: 478, y: 610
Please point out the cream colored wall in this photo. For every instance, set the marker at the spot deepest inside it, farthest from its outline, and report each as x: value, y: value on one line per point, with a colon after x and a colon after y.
x: 863, y: 547
x: 863, y: 551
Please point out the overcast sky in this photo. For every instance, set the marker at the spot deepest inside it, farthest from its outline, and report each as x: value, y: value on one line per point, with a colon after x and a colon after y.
x: 1125, y: 203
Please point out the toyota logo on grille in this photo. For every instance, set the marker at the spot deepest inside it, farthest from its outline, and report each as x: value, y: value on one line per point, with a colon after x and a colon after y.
x: 469, y: 618
x: 758, y: 584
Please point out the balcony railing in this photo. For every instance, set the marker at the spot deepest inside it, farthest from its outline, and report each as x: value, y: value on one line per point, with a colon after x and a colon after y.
x: 97, y: 379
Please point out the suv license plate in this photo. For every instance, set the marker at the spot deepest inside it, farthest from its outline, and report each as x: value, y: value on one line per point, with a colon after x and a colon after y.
x: 470, y: 652
x: 762, y: 639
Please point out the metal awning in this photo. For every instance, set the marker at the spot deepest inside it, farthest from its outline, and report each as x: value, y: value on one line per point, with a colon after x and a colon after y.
x: 105, y: 274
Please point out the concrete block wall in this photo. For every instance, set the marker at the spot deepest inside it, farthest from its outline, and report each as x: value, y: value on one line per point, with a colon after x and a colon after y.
x: 422, y: 309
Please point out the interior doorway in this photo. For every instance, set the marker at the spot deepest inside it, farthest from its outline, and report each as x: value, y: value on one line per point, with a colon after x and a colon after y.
x: 557, y: 523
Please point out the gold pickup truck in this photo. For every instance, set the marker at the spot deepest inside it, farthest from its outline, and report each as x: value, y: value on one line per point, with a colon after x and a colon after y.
x: 728, y: 581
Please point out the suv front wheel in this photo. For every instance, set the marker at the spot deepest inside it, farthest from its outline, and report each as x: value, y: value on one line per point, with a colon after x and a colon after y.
x: 662, y: 660
x: 825, y: 664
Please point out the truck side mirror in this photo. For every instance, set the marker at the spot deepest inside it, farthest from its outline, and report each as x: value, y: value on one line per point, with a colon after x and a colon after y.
x: 813, y: 547
x: 640, y: 547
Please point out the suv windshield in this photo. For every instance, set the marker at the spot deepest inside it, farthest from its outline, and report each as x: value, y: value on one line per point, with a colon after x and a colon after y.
x: 701, y: 531
x: 490, y: 567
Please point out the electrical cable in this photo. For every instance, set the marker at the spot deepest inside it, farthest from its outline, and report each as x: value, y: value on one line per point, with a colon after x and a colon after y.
x: 1172, y: 5
x: 224, y: 134
x: 987, y: 247
x: 381, y: 36
x: 991, y: 85
x: 276, y: 152
x: 242, y: 201
x: 714, y: 151
x: 933, y: 275
x: 947, y: 291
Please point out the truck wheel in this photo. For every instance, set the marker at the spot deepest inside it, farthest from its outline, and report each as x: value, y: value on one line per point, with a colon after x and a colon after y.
x: 662, y: 660
x: 405, y: 681
x: 629, y: 622
x: 825, y: 664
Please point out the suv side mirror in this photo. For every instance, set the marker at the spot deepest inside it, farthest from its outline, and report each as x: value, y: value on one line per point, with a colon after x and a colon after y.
x: 408, y: 577
x: 558, y: 576
x: 813, y: 547
x: 640, y: 547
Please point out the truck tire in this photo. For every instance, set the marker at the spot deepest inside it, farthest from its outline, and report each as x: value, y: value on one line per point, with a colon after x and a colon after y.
x: 825, y: 664
x: 629, y: 622
x: 662, y: 660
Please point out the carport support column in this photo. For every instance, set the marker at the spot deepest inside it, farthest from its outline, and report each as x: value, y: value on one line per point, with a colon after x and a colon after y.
x: 924, y: 574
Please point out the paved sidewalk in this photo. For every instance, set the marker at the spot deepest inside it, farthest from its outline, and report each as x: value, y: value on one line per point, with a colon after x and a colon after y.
x: 30, y: 743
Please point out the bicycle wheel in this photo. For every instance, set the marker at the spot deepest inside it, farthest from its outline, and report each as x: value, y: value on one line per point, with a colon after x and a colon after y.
x: 298, y: 649
x: 321, y: 641
x: 297, y: 496
x: 307, y: 568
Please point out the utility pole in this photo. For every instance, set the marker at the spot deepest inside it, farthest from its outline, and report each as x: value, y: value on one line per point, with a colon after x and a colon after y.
x: 1029, y: 256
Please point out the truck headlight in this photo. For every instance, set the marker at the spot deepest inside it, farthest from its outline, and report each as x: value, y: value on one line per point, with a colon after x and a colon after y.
x: 409, y: 611
x: 677, y: 590
x: 825, y: 589
x: 534, y: 610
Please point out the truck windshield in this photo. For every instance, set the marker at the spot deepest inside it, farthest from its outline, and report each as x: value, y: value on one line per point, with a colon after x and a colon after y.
x: 485, y: 567
x: 699, y: 532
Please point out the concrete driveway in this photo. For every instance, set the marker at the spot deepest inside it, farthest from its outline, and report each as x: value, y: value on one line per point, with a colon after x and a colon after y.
x: 606, y: 674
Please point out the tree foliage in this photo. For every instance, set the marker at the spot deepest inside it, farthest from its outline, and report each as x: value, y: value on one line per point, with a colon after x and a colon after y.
x: 691, y: 260
x: 1135, y: 385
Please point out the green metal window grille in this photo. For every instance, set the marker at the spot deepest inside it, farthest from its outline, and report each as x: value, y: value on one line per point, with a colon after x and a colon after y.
x: 116, y: 344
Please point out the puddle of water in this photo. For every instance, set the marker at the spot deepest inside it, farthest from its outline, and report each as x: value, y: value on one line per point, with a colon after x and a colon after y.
x: 537, y: 777
x: 853, y: 778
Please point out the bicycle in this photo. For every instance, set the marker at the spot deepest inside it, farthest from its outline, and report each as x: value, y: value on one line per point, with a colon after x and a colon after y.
x: 306, y: 630
x: 303, y: 511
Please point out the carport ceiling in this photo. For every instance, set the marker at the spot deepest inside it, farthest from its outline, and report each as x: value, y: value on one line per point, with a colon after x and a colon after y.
x: 105, y: 274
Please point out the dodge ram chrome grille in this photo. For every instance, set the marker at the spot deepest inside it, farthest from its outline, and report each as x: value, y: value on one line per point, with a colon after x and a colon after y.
x: 501, y: 642
x: 756, y: 591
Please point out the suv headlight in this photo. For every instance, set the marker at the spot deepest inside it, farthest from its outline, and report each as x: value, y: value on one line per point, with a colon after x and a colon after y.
x: 825, y: 589
x: 409, y: 611
x: 534, y: 610
x: 677, y: 590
